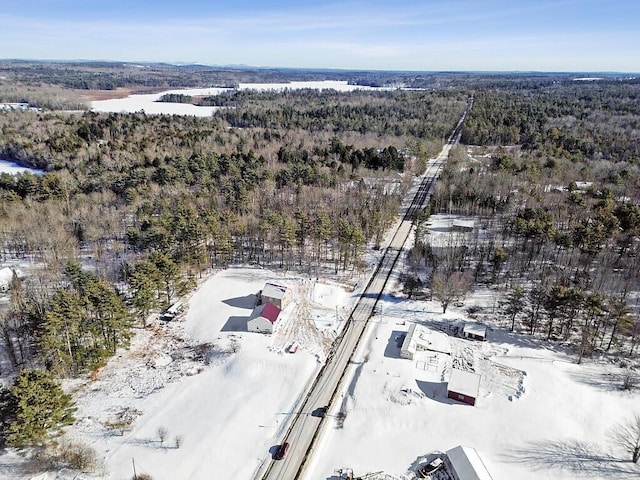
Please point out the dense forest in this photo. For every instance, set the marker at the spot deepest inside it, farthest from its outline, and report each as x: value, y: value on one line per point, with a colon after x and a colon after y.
x: 132, y: 209
x: 149, y: 203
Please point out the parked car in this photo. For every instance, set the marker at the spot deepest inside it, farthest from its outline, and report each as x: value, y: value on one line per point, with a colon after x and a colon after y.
x: 282, y: 451
x: 431, y: 467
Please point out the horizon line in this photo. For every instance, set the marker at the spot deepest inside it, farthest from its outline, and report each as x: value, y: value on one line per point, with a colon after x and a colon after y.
x: 241, y: 66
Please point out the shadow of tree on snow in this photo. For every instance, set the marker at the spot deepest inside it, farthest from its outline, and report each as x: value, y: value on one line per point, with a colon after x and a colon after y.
x: 578, y: 458
x: 606, y: 381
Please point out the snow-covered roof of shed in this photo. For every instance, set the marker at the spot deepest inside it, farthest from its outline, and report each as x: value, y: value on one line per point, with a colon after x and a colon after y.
x: 463, y: 223
x: 6, y: 275
x: 475, y: 329
x: 272, y: 290
x: 583, y: 185
x: 467, y: 464
x: 466, y: 383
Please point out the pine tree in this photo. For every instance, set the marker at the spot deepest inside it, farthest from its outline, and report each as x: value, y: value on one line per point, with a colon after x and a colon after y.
x: 514, y: 304
x: 142, y: 282
x: 34, y: 408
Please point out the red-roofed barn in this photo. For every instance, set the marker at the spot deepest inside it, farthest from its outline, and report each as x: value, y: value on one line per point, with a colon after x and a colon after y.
x: 263, y: 318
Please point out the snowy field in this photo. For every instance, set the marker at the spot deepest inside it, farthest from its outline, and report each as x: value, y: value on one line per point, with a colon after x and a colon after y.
x: 226, y: 394
x: 222, y: 392
x: 149, y: 102
x: 12, y: 168
x: 538, y: 415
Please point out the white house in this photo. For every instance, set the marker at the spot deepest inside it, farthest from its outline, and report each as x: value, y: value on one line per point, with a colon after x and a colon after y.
x: 467, y: 464
x: 263, y: 318
x: 422, y: 339
x: 278, y: 295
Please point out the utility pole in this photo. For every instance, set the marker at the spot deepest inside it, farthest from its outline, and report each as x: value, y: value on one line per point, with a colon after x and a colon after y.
x: 135, y: 477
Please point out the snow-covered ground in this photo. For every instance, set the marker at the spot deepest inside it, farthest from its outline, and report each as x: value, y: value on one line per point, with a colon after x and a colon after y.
x: 539, y: 415
x: 12, y: 168
x: 149, y: 102
x: 224, y: 395
x: 150, y: 105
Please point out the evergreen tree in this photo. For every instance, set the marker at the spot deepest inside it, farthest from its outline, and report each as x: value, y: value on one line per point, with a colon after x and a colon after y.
x: 142, y: 281
x: 34, y: 408
x: 514, y: 304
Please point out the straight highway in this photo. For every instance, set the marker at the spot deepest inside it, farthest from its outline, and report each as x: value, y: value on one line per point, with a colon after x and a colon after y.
x: 306, y: 424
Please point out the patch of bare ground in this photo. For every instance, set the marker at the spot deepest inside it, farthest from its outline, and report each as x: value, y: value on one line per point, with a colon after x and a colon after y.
x: 120, y: 92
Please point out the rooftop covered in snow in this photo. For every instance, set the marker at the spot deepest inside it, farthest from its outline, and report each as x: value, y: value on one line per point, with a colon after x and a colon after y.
x: 272, y: 290
x: 467, y: 464
x: 465, y: 383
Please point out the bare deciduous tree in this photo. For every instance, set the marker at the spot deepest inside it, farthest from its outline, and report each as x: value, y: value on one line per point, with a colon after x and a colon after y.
x: 627, y: 435
x: 162, y: 434
x: 450, y: 287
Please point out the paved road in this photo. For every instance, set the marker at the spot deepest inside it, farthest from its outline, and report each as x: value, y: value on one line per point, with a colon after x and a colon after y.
x: 305, y: 427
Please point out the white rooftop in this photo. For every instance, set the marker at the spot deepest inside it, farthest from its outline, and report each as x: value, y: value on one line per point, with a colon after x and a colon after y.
x: 466, y: 383
x: 475, y: 329
x: 463, y: 223
x: 6, y: 275
x: 272, y: 290
x: 422, y: 338
x: 467, y: 464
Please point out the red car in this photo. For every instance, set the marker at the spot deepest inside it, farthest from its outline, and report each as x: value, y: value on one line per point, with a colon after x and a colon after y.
x: 282, y: 451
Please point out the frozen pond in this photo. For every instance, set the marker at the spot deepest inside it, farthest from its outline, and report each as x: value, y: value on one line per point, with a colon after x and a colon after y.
x: 149, y: 102
x: 12, y: 168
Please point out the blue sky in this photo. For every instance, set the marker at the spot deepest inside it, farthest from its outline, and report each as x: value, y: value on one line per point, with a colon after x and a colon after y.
x: 543, y: 35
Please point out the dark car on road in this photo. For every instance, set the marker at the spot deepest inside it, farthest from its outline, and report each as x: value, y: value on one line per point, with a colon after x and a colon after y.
x: 320, y: 412
x: 282, y: 451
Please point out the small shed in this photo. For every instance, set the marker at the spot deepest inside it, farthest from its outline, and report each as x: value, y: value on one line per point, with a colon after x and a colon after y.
x: 475, y: 331
x: 6, y: 277
x: 463, y: 386
x: 278, y: 295
x: 467, y: 464
x: 460, y: 225
x: 263, y: 318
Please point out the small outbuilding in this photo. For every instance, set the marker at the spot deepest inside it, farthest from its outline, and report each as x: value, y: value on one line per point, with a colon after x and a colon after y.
x: 459, y: 225
x: 466, y: 464
x: 463, y: 386
x: 278, y: 295
x: 6, y: 277
x: 263, y: 318
x: 475, y: 331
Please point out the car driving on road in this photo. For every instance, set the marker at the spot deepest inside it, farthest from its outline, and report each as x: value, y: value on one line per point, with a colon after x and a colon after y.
x: 282, y: 451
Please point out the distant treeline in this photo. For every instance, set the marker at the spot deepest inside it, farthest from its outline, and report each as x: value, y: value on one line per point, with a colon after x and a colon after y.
x: 175, y: 98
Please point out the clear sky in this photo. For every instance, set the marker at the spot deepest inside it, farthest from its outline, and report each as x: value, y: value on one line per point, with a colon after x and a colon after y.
x: 543, y: 35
